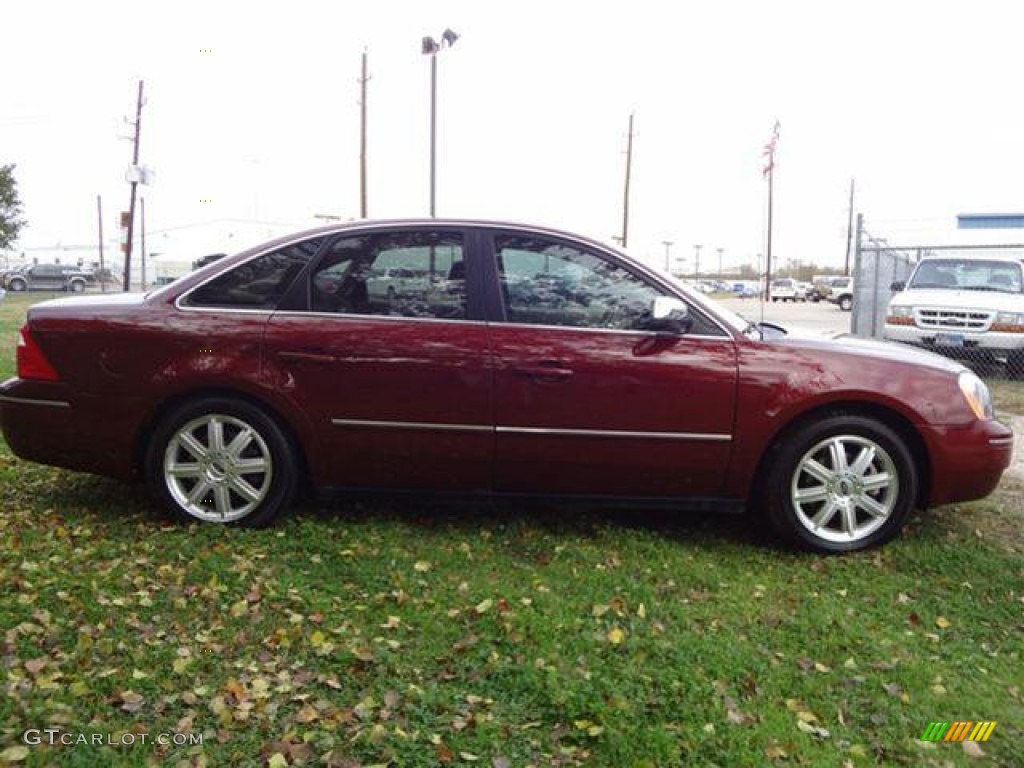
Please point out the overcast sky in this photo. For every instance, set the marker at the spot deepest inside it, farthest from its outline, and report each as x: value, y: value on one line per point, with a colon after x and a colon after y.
x: 252, y: 112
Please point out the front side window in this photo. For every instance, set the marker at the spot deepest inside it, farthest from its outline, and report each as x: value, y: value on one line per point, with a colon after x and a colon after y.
x: 258, y: 283
x: 406, y: 274
x: 547, y: 282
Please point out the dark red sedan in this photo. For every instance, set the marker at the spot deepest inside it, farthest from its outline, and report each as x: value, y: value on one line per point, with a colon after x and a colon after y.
x: 508, y: 360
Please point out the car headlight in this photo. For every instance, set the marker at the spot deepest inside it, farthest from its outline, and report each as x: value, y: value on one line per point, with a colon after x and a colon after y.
x: 976, y: 394
x: 1009, y: 322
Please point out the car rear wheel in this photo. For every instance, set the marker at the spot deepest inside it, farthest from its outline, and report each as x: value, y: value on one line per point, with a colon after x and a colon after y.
x: 846, y: 303
x: 841, y: 484
x: 220, y: 460
x: 77, y: 286
x: 17, y: 285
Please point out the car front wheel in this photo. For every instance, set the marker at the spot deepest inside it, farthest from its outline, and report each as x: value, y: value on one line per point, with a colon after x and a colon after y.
x: 842, y: 484
x: 220, y: 460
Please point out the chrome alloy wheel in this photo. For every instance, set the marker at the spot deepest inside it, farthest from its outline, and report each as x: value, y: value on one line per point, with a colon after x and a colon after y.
x: 845, y: 488
x: 217, y: 468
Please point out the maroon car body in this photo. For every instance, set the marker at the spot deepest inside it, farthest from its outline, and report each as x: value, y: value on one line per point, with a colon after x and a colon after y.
x: 532, y: 362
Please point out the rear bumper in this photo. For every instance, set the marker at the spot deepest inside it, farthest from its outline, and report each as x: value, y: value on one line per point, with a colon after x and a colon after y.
x: 48, y: 423
x: 968, y: 462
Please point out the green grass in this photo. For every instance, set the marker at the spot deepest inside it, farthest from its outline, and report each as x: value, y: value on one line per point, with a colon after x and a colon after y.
x: 355, y: 635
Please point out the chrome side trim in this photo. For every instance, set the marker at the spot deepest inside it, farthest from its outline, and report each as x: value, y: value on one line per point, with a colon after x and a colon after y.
x: 687, y: 436
x: 411, y: 425
x: 999, y: 442
x: 32, y: 401
x: 542, y: 431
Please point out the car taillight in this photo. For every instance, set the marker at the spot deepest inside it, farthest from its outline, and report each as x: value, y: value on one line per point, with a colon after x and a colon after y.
x: 32, y: 363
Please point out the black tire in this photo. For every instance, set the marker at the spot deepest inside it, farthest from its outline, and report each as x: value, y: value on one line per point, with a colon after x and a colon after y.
x: 17, y: 285
x: 846, y: 303
x: 246, y: 476
x: 841, y: 484
x: 76, y: 286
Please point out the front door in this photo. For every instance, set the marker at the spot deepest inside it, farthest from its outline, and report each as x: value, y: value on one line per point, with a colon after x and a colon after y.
x: 589, y: 402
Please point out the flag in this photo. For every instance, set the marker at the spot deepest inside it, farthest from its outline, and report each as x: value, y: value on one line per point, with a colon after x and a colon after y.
x: 769, y: 150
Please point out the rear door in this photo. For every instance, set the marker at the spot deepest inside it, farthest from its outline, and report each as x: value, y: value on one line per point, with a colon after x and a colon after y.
x: 589, y: 402
x: 396, y: 384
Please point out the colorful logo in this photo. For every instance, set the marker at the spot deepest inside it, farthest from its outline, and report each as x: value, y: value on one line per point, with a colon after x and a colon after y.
x: 961, y: 730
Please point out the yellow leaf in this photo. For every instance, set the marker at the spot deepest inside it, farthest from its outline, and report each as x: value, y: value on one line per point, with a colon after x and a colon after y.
x: 138, y: 674
x: 641, y: 611
x: 180, y: 665
x: 317, y: 638
x: 616, y: 635
x: 484, y: 605
x: 942, y: 622
x: 807, y: 717
x: 14, y: 754
x: 422, y: 566
x: 239, y: 609
x: 277, y: 760
x: 469, y: 757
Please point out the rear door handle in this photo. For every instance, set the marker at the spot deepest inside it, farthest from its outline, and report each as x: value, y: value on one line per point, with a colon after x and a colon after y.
x: 549, y: 371
x: 316, y: 358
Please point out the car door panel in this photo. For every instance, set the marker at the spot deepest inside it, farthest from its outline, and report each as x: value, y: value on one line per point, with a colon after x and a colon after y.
x: 595, y: 413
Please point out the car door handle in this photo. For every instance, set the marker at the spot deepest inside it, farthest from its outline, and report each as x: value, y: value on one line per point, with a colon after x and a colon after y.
x: 550, y: 371
x: 316, y: 358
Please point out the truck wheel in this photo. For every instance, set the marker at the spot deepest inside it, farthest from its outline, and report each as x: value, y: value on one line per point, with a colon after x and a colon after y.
x: 17, y: 285
x: 846, y: 303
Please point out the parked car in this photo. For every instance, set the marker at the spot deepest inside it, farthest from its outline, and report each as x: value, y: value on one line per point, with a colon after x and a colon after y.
x: 787, y: 289
x: 48, y: 277
x: 239, y: 383
x: 963, y: 306
x: 841, y: 292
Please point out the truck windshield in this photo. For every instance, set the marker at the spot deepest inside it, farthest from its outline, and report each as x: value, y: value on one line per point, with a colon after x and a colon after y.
x: 969, y: 275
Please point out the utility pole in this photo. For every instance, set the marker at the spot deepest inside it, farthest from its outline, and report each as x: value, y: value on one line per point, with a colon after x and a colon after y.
x: 134, y: 176
x: 625, y: 195
x: 720, y: 252
x: 849, y: 231
x: 362, y: 139
x: 696, y: 261
x: 668, y: 264
x: 99, y: 218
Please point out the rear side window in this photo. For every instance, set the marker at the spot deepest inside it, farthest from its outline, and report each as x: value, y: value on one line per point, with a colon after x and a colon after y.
x: 258, y: 283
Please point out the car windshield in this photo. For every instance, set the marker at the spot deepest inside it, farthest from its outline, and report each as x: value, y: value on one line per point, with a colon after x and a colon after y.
x: 969, y: 275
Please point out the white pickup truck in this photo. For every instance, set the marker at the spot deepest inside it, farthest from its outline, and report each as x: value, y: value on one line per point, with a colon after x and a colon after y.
x: 968, y: 307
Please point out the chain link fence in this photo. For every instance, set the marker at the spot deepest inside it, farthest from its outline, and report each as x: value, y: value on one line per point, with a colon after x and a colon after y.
x: 965, y: 302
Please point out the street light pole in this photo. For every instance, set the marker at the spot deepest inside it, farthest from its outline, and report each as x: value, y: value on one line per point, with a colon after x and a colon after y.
x: 431, y: 48
x: 668, y: 264
x: 696, y: 262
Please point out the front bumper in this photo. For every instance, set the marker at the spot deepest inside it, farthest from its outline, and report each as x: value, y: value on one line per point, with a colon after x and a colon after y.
x: 967, y: 461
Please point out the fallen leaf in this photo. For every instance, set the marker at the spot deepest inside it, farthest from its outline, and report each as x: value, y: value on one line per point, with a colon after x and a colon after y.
x: 942, y: 622
x: 971, y: 749
x: 14, y: 754
x: 616, y: 635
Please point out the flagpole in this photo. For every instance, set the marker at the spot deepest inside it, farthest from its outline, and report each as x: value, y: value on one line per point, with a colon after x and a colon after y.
x: 769, y: 171
x: 768, y: 245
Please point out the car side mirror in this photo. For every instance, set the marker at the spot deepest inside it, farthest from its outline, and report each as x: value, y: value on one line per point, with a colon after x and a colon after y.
x: 670, y: 315
x: 897, y: 286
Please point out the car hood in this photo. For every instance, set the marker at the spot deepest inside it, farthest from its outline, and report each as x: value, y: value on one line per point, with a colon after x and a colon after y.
x: 944, y: 297
x: 840, y: 343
